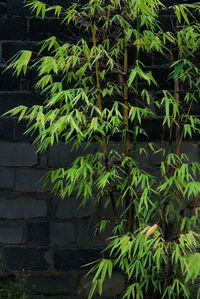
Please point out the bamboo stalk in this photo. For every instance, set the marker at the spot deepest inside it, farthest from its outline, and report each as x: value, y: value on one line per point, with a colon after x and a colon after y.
x: 178, y: 130
x: 181, y: 135
x: 134, y: 223
x: 100, y: 106
x: 136, y: 94
x: 127, y: 146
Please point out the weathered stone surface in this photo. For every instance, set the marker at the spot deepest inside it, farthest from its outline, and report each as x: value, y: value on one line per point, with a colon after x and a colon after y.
x: 18, y: 258
x: 17, y: 154
x: 86, y: 297
x: 11, y: 235
x: 2, y: 8
x: 111, y: 287
x: 57, y: 297
x: 191, y: 150
x: 19, y: 129
x: 62, y: 233
x: 17, y: 8
x: 141, y: 158
x: 14, y: 83
x: 67, y: 259
x: 30, y: 180
x: 14, y: 32
x: 8, y: 28
x: 62, y: 155
x: 7, y: 127
x: 23, y: 207
x: 38, y: 233
x: 86, y: 235
x: 155, y: 159
x: 7, y: 176
x: 114, y: 286
x: 69, y: 297
x: 155, y: 171
x: 42, y: 161
x: 50, y: 27
x: 64, y: 284
x: 9, y: 49
x: 70, y: 208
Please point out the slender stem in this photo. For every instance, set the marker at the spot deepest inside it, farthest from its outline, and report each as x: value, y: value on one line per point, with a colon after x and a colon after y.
x: 170, y: 170
x: 136, y: 97
x: 178, y: 130
x: 100, y: 106
x: 127, y: 147
x: 178, y: 147
x: 177, y: 98
x: 134, y: 223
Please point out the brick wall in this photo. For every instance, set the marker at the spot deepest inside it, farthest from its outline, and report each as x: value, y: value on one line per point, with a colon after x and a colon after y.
x: 38, y: 232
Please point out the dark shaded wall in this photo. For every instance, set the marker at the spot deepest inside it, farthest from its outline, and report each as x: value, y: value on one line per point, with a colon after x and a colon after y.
x: 38, y: 232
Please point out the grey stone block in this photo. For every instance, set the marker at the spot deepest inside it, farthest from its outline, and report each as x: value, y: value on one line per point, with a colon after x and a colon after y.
x: 17, y: 154
x: 157, y: 158
x: 188, y: 147
x: 19, y: 258
x: 9, y: 49
x: 64, y: 284
x: 62, y: 233
x: 86, y: 297
x: 141, y: 157
x: 2, y: 8
x: 8, y: 29
x: 191, y: 150
x: 38, y: 233
x: 49, y: 27
x: 7, y: 176
x: 114, y: 286
x: 23, y: 207
x: 154, y: 171
x: 30, y: 180
x: 42, y: 161
x: 62, y: 155
x: 111, y: 287
x: 11, y: 235
x: 68, y: 259
x: 70, y: 208
x: 86, y: 235
x: 115, y: 146
x: 107, y: 212
x: 57, y: 297
x: 68, y: 297
x: 17, y: 8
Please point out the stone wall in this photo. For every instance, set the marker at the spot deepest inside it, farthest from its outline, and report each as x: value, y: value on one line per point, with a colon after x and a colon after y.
x: 38, y: 232
x: 44, y: 235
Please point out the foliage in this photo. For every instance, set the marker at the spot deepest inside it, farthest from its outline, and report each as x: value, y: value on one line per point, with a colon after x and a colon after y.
x: 99, y: 88
x: 15, y: 288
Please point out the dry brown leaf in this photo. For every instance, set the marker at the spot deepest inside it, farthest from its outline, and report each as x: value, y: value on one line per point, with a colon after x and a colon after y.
x: 151, y: 230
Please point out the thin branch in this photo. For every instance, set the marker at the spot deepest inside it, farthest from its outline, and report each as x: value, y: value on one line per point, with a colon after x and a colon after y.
x: 127, y: 146
x: 100, y: 106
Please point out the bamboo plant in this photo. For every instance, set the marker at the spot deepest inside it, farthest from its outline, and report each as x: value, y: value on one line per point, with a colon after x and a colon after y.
x: 101, y: 88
